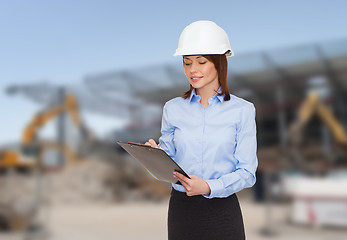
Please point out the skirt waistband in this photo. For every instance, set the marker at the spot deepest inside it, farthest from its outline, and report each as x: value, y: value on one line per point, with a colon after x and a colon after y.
x: 183, y: 196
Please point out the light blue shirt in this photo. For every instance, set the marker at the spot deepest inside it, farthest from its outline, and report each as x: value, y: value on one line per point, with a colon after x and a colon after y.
x: 218, y: 143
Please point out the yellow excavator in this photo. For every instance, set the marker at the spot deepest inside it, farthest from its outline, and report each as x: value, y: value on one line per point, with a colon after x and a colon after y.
x: 13, y: 218
x: 31, y: 148
x: 312, y: 105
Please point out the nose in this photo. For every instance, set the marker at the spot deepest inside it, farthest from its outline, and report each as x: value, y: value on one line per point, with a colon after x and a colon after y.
x: 193, y: 68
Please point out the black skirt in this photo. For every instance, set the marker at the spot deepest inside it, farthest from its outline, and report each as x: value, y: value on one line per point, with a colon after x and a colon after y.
x: 199, y: 218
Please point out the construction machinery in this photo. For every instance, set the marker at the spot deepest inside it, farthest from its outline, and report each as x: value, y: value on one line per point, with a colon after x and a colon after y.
x: 317, y: 188
x: 312, y: 105
x: 31, y: 147
x: 19, y: 211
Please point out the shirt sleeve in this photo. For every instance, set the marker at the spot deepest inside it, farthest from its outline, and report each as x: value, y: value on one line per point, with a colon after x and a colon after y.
x: 247, y: 161
x: 166, y: 141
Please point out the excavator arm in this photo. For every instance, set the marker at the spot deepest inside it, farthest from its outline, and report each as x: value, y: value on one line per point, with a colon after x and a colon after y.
x: 309, y: 107
x: 70, y: 105
x: 30, y: 146
x: 306, y: 111
x: 334, y: 126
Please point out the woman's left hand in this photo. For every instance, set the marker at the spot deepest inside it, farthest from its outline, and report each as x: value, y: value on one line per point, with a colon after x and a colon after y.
x: 194, y: 185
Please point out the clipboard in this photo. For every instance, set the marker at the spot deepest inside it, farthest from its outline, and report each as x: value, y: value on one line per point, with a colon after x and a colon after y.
x: 155, y: 160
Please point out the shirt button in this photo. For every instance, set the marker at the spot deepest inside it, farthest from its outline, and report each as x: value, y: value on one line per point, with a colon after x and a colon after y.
x: 198, y: 160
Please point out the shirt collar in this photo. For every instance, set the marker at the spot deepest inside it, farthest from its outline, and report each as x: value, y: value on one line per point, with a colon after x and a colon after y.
x: 221, y: 98
x: 194, y: 96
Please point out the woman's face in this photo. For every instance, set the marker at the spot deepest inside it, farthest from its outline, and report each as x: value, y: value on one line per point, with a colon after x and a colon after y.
x: 200, y: 72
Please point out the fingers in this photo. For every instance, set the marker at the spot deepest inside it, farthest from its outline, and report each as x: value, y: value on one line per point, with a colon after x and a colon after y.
x: 183, y: 179
x: 185, y: 183
x: 186, y: 187
x: 194, y: 185
x: 151, y: 143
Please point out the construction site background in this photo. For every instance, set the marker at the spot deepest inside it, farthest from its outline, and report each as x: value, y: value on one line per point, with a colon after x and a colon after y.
x: 62, y: 175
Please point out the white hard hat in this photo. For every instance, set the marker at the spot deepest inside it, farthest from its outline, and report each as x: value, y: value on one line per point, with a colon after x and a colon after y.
x: 203, y: 37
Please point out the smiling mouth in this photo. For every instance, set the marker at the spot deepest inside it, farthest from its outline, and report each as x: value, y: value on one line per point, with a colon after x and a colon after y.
x: 195, y: 79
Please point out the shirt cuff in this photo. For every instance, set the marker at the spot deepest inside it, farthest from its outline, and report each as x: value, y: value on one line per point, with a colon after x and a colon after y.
x: 216, y: 186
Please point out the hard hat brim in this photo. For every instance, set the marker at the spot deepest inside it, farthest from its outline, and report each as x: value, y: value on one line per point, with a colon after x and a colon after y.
x: 228, y: 53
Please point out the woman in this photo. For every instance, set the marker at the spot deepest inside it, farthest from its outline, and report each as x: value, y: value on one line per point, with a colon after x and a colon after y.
x: 211, y: 134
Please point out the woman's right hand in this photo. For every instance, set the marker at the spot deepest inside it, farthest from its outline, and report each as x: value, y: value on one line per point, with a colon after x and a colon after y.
x: 151, y: 143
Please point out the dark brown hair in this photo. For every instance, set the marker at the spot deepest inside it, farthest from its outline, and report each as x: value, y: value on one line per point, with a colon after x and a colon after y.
x: 220, y: 62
